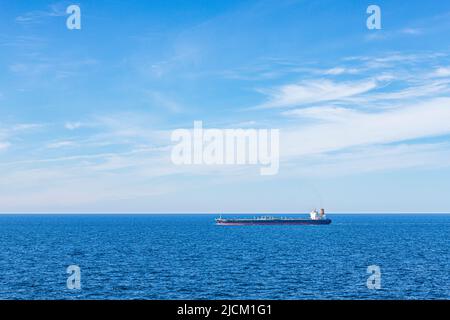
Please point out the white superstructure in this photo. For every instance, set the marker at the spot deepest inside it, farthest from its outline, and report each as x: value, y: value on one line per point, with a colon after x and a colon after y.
x: 315, y: 215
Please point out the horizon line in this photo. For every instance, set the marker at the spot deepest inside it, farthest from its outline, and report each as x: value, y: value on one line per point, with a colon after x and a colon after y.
x: 216, y: 213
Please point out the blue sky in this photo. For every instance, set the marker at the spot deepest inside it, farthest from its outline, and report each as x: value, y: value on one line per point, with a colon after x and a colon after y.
x: 86, y: 115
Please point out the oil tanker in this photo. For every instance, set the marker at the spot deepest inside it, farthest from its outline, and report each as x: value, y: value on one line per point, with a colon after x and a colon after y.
x: 315, y: 218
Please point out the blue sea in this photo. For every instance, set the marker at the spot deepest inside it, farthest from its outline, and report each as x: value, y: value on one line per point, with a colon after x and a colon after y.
x: 189, y: 257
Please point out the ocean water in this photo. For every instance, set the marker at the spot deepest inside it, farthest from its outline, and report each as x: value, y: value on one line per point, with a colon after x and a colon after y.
x: 188, y: 257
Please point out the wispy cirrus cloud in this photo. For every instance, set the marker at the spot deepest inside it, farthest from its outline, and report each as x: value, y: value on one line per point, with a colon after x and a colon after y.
x: 412, y: 31
x: 441, y: 72
x: 10, y: 132
x: 421, y: 89
x: 339, y: 128
x: 341, y: 70
x: 347, y: 84
x: 40, y: 68
x: 38, y: 16
x: 314, y: 91
x: 4, y: 145
x: 392, y: 34
x: 73, y: 125
x: 60, y: 144
x: 161, y: 100
x: 372, y: 158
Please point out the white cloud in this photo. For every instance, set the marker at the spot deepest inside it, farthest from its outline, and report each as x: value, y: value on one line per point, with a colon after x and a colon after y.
x: 4, y: 145
x: 341, y: 70
x: 335, y: 71
x: 372, y: 158
x: 27, y: 126
x: 315, y: 91
x: 68, y: 189
x: 396, y: 60
x: 423, y: 89
x: 441, y: 72
x: 412, y: 31
x: 7, y: 133
x: 72, y: 125
x: 323, y: 113
x: 384, y: 35
x: 163, y: 101
x: 340, y: 129
x: 54, y: 10
x: 60, y: 144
